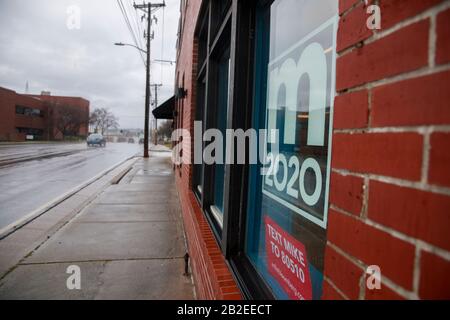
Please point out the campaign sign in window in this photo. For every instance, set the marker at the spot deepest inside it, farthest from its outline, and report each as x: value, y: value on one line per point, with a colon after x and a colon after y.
x: 288, y: 194
x: 300, y: 92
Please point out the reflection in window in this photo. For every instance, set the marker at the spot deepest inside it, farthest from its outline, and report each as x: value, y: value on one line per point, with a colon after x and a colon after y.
x: 199, y: 116
x: 221, y: 125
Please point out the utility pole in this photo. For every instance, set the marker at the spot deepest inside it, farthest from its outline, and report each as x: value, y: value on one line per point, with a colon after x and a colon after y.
x: 147, y: 8
x: 156, y: 86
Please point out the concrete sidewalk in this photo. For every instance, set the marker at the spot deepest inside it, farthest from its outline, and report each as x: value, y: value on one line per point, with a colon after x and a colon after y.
x: 128, y: 243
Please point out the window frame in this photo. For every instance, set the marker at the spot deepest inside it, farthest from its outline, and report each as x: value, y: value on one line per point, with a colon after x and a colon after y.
x: 241, y: 18
x: 237, y: 185
x: 207, y: 70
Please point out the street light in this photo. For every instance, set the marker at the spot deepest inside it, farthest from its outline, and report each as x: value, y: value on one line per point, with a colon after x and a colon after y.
x: 165, y: 61
x: 147, y: 89
x: 120, y: 44
x: 147, y: 86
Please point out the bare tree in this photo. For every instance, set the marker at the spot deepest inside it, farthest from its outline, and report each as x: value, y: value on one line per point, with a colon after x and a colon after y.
x: 165, y: 130
x: 69, y: 120
x: 102, y: 120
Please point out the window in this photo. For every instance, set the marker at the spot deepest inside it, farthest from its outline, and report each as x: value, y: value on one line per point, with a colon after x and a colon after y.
x: 20, y: 110
x: 31, y: 112
x: 219, y: 10
x: 199, y: 117
x: 203, y: 42
x: 287, y: 211
x: 212, y: 107
x: 30, y: 131
x: 223, y: 69
x: 271, y: 227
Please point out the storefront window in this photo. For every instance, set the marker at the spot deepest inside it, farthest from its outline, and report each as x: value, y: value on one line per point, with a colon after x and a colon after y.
x: 294, y: 92
x: 199, y: 116
x: 213, y: 90
x: 221, y: 120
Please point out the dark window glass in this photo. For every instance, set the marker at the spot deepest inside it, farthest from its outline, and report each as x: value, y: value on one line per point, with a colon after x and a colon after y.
x: 20, y: 110
x: 212, y: 105
x: 221, y: 124
x: 30, y: 131
x: 203, y: 43
x: 219, y: 9
x: 199, y: 116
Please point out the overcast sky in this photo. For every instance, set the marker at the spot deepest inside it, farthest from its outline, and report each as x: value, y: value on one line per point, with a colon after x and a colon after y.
x: 37, y: 47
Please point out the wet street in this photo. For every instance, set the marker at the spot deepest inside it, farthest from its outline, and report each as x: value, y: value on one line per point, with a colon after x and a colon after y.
x: 26, y: 186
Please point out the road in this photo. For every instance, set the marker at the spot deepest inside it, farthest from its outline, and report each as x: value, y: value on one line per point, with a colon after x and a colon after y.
x: 22, y: 152
x: 26, y: 186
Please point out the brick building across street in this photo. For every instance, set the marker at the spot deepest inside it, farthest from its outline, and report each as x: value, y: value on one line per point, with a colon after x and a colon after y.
x: 363, y: 173
x: 35, y: 117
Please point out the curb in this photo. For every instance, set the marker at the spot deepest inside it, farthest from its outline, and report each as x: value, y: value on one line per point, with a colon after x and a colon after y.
x: 19, y: 224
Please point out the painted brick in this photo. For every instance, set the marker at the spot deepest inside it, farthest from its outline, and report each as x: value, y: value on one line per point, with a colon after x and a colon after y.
x: 374, y: 247
x: 390, y: 154
x: 329, y: 293
x: 353, y: 28
x: 344, y: 5
x: 404, y: 50
x: 439, y: 171
x: 346, y: 192
x: 443, y: 36
x: 420, y: 214
x: 417, y: 101
x: 351, y: 110
x: 385, y: 293
x: 395, y: 11
x: 344, y: 273
x: 213, y: 279
x: 434, y: 277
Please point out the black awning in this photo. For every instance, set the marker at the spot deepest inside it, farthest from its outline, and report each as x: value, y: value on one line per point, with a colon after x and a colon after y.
x: 165, y: 111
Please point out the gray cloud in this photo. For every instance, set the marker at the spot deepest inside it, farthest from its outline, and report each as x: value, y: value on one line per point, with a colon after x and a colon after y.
x: 36, y: 46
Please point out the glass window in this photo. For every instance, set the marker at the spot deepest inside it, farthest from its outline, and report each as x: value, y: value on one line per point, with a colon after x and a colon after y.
x: 223, y: 85
x: 199, y: 116
x: 20, y: 110
x: 203, y: 42
x: 288, y: 195
x: 213, y: 105
x: 36, y: 112
x: 219, y: 9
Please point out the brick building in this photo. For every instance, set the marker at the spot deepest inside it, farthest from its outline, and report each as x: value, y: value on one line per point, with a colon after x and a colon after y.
x: 34, y: 117
x: 362, y: 176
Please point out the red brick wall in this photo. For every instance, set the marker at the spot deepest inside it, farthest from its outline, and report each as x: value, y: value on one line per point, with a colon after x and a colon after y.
x: 71, y: 101
x: 7, y: 115
x: 390, y: 186
x: 212, y: 278
x: 9, y: 120
x: 390, y: 182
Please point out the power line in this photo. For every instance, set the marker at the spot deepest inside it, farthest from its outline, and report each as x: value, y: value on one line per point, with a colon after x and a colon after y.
x: 163, y: 40
x: 127, y: 20
x: 130, y: 29
x: 137, y: 25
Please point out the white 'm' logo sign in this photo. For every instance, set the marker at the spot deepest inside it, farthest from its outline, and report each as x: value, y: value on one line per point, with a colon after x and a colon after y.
x: 312, y: 63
